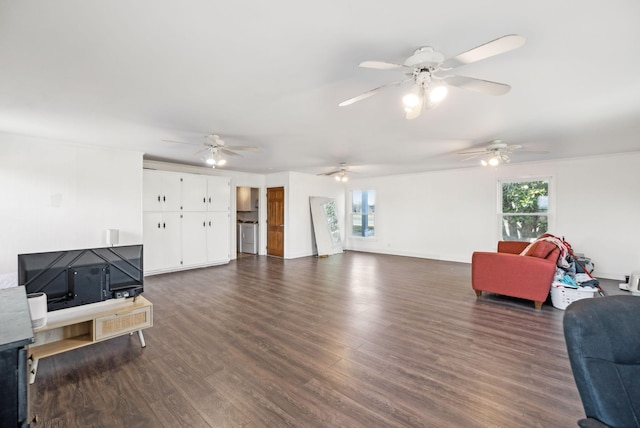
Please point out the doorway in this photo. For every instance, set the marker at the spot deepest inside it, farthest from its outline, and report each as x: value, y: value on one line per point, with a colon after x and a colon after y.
x: 247, y: 214
x: 275, y: 221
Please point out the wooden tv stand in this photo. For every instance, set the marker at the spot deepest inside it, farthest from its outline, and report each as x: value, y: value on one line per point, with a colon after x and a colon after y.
x: 73, y: 328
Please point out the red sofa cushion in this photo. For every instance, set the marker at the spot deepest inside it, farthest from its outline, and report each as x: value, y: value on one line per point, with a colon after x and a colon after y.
x: 540, y: 249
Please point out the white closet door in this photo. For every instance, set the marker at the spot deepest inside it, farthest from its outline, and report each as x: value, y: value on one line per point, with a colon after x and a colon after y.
x: 219, y: 194
x: 194, y: 238
x: 218, y: 236
x: 162, y: 246
x: 194, y: 192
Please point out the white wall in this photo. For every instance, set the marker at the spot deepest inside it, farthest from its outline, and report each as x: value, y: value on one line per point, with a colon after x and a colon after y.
x: 61, y: 196
x: 298, y: 229
x: 449, y: 214
x: 299, y: 238
x: 58, y: 196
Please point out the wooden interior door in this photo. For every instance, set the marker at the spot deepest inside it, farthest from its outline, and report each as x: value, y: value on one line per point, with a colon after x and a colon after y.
x: 275, y: 221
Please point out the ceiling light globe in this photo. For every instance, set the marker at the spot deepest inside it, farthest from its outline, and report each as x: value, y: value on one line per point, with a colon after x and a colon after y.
x: 410, y: 101
x: 483, y: 162
x: 438, y: 93
x: 494, y: 161
x: 222, y: 162
x: 337, y: 178
x: 210, y: 161
x: 345, y: 179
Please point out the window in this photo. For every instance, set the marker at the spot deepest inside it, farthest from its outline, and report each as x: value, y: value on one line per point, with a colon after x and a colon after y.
x: 363, y: 208
x: 524, y: 208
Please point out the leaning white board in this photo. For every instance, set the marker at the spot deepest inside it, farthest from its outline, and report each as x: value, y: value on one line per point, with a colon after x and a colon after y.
x: 325, y: 225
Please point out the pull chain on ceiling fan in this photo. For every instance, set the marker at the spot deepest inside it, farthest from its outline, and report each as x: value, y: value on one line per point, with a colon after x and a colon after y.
x: 426, y: 68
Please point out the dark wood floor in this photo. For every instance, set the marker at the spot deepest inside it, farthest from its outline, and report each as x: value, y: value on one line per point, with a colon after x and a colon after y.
x: 356, y: 339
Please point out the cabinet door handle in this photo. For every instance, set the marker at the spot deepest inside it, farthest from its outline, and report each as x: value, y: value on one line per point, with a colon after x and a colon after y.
x: 209, y: 199
x: 158, y: 198
x: 164, y: 199
x: 209, y: 222
x: 204, y: 224
x: 204, y: 200
x: 164, y: 225
x: 158, y: 225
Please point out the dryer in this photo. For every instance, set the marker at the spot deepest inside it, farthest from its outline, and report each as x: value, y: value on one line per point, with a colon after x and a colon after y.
x: 248, y: 238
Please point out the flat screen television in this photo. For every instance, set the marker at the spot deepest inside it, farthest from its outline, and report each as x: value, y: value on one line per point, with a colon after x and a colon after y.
x: 79, y: 277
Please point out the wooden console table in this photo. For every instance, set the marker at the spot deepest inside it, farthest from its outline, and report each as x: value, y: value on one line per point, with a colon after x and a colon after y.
x: 73, y: 328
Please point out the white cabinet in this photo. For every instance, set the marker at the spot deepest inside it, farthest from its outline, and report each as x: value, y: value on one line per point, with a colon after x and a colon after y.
x: 162, y: 191
x: 162, y: 237
x: 243, y: 199
x: 194, y: 192
x: 218, y: 194
x: 186, y: 221
x: 194, y: 238
x: 247, y: 199
x: 218, y: 236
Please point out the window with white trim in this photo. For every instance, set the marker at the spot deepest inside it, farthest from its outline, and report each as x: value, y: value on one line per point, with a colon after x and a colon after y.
x: 523, y: 209
x: 363, y: 208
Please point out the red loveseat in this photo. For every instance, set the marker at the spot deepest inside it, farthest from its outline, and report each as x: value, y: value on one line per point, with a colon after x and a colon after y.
x: 511, y: 274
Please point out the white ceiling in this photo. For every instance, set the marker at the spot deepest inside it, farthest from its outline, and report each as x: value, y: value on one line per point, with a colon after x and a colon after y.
x: 130, y: 74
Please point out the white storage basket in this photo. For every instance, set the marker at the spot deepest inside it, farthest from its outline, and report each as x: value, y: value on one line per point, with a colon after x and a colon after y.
x: 562, y: 296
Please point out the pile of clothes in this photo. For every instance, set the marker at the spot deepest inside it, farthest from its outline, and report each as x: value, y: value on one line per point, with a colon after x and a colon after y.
x: 573, y: 271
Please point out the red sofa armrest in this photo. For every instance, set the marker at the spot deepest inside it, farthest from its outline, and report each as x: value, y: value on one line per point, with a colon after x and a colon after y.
x: 512, y: 275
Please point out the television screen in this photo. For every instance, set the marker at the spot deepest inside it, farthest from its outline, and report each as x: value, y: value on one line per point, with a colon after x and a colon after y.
x: 78, y: 277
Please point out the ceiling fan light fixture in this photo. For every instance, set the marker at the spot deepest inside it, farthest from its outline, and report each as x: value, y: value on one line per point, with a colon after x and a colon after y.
x: 220, y: 161
x: 410, y: 101
x: 342, y: 176
x: 211, y: 157
x: 492, y: 161
x: 438, y: 93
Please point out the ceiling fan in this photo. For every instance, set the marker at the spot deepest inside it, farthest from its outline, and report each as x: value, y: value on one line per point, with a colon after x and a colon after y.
x: 495, y: 153
x: 428, y: 69
x: 341, y: 174
x: 215, y: 148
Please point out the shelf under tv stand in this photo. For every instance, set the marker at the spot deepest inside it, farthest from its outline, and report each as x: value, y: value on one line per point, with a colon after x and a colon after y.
x: 73, y: 328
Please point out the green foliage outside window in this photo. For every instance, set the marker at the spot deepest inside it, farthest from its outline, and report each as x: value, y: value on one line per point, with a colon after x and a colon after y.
x: 524, y: 210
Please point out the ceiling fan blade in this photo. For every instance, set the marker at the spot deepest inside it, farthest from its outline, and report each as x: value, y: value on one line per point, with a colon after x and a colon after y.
x: 178, y: 142
x: 245, y: 148
x: 487, y: 50
x: 478, y: 85
x: 472, y: 157
x: 329, y: 173
x: 381, y: 65
x: 511, y: 147
x: 201, y: 151
x: 473, y: 152
x: 371, y: 92
x: 226, y: 151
